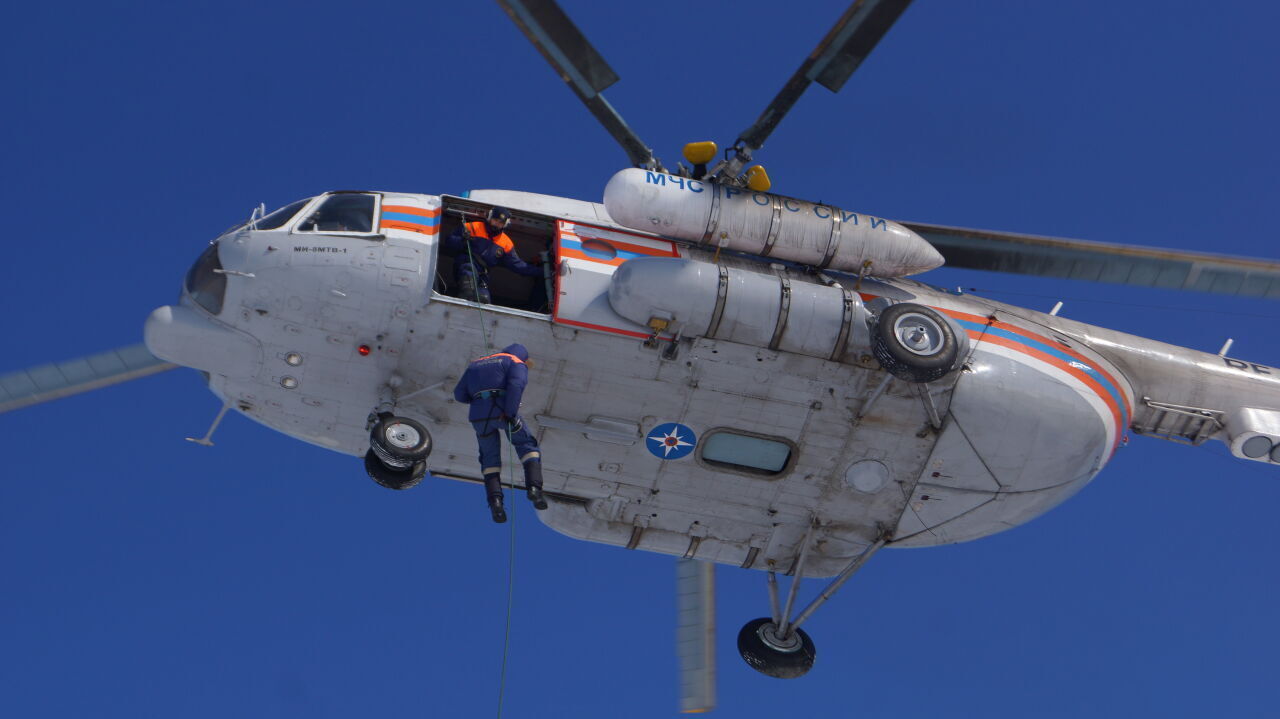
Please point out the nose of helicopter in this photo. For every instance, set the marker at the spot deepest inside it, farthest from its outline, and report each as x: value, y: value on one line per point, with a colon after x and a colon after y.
x: 186, y: 337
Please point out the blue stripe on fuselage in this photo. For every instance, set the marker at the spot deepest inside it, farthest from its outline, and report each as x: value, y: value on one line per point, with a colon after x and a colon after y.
x: 411, y: 219
x: 572, y: 244
x: 1055, y: 352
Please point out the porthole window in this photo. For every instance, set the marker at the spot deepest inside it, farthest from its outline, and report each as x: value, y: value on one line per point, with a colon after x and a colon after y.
x: 750, y: 453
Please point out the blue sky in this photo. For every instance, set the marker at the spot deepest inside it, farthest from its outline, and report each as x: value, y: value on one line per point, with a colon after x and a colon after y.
x: 141, y: 575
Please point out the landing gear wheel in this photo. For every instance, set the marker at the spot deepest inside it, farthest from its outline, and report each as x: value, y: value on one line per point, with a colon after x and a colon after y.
x: 399, y: 442
x: 393, y: 478
x: 769, y: 654
x: 914, y: 343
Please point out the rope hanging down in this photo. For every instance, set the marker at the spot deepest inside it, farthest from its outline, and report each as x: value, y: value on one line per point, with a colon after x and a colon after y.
x: 511, y: 548
x: 511, y: 576
x: 475, y: 286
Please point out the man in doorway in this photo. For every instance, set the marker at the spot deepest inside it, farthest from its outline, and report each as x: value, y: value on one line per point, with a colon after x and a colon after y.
x: 493, y: 386
x: 478, y: 246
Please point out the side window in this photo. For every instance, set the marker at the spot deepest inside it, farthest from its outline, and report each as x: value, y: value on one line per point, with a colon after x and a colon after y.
x: 347, y: 212
x: 748, y: 453
x: 280, y: 217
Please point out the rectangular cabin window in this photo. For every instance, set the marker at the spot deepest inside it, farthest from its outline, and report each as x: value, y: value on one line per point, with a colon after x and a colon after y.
x: 746, y: 453
x: 343, y: 212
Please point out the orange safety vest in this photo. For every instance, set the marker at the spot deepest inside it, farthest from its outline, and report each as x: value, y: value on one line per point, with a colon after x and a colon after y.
x: 500, y: 354
x: 481, y: 230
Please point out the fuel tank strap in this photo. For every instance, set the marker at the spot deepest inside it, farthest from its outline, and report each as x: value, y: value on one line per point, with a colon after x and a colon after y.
x: 713, y: 219
x: 846, y: 325
x: 784, y: 309
x: 775, y: 225
x: 722, y: 294
x: 833, y: 241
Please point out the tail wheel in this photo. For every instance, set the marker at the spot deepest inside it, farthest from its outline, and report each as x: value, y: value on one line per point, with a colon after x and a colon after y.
x: 393, y: 478
x: 914, y: 343
x: 399, y: 442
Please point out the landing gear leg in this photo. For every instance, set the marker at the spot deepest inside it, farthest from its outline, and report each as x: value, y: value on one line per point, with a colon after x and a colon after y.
x: 776, y: 646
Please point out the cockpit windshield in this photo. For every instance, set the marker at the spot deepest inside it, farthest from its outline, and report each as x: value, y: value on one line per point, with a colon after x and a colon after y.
x: 280, y: 217
x: 206, y: 286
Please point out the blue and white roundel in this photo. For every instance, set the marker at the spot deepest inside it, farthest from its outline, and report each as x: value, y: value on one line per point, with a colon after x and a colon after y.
x: 671, y: 441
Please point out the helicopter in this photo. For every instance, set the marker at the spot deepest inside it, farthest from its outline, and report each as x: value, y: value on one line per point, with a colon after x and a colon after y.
x: 229, y: 279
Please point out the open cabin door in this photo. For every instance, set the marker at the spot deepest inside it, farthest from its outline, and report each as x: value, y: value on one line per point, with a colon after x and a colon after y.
x: 589, y: 256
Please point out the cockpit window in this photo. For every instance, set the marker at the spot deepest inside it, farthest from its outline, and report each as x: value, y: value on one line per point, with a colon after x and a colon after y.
x: 280, y: 217
x: 347, y: 212
x: 204, y: 285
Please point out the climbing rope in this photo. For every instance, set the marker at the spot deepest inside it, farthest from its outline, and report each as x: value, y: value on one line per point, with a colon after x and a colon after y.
x: 475, y: 286
x: 511, y: 548
x: 511, y: 575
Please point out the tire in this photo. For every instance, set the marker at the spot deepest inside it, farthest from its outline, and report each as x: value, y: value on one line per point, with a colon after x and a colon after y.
x: 914, y: 343
x: 393, y: 478
x: 399, y: 442
x: 763, y: 652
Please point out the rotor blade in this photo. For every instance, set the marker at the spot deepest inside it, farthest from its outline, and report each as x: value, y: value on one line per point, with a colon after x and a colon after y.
x: 1102, y: 261
x: 831, y: 63
x: 580, y: 65
x: 696, y: 634
x: 55, y: 381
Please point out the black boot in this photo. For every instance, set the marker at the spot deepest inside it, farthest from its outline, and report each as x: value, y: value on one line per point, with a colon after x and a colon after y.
x: 533, y: 483
x: 493, y: 489
x: 496, y: 511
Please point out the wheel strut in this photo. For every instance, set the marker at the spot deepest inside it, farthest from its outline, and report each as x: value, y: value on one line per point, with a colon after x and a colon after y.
x: 839, y: 581
x: 784, y: 629
x: 776, y: 645
x: 786, y: 625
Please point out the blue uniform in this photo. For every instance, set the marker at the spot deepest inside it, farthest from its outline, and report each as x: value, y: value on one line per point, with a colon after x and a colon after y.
x: 493, y: 386
x: 475, y: 252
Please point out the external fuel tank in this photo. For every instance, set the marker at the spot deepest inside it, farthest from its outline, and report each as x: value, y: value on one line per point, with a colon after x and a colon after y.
x: 760, y: 223
x: 701, y: 299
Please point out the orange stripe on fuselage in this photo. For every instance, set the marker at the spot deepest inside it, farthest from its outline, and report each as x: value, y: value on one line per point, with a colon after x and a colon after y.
x: 1093, y: 384
x: 406, y: 209
x: 1088, y: 381
x: 577, y: 255
x: 398, y: 225
x: 604, y: 328
x: 1048, y: 341
x: 637, y: 249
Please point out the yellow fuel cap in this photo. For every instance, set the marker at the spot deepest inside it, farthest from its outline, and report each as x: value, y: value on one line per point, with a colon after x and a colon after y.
x: 758, y: 179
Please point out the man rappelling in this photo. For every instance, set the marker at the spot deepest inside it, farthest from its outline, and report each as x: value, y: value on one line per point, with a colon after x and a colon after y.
x: 493, y: 386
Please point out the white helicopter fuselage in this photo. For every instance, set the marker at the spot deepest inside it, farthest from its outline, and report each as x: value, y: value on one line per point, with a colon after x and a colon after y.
x: 315, y: 330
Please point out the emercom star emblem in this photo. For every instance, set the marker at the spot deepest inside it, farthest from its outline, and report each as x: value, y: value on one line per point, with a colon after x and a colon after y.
x: 671, y: 441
